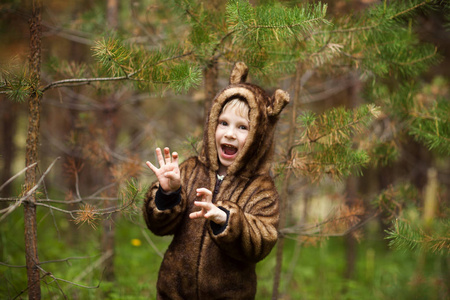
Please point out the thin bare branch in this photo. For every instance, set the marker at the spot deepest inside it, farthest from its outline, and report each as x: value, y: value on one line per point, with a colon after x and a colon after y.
x: 315, y: 230
x: 94, y: 265
x: 63, y: 260
x: 99, y: 211
x: 149, y: 240
x: 71, y: 201
x: 12, y: 266
x: 77, y: 186
x: 83, y: 81
x: 49, y: 274
x: 17, y: 175
x: 11, y: 208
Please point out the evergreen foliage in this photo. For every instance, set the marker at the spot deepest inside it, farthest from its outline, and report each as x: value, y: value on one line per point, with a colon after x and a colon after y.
x: 15, y: 83
x: 325, y: 144
x: 267, y: 37
x: 382, y: 42
x: 117, y: 61
x: 279, y: 40
x: 431, y: 125
x: 405, y: 236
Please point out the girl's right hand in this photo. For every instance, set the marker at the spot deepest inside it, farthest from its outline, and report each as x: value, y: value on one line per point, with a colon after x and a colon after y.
x: 169, y: 173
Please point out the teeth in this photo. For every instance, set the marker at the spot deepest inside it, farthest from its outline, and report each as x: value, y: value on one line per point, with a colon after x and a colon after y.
x: 229, y: 146
x: 229, y: 149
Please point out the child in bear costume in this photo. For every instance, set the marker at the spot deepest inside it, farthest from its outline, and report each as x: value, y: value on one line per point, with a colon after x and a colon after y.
x: 215, y: 249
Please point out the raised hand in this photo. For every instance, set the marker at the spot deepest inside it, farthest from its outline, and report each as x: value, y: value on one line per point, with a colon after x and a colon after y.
x: 209, y: 210
x: 168, y: 173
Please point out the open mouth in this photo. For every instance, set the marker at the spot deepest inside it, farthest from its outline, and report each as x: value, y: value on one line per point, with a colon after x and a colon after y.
x: 229, y: 150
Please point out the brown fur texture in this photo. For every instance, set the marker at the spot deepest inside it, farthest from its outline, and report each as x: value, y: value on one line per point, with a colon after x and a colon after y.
x: 200, y: 264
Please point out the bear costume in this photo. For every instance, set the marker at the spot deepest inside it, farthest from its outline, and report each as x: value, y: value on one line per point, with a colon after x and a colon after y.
x: 206, y: 260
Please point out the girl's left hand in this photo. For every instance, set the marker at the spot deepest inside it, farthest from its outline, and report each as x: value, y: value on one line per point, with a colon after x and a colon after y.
x: 209, y: 210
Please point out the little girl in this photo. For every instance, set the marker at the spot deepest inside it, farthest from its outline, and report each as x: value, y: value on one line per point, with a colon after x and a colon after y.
x: 222, y: 206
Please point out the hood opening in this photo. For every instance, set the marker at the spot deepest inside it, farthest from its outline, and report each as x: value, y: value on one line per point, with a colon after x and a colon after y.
x: 255, y: 156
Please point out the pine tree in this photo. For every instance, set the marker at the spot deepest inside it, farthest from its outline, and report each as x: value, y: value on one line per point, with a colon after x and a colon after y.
x: 300, y: 45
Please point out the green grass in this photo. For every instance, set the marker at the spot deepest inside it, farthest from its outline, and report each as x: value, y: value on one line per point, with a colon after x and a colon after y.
x: 380, y: 273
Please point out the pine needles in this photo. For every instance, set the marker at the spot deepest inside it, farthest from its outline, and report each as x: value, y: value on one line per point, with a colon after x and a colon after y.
x: 325, y: 144
x: 404, y: 236
x: 148, y: 69
x: 432, y: 126
x: 15, y: 83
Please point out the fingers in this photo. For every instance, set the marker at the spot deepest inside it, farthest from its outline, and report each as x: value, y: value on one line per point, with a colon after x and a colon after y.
x: 167, y: 155
x: 159, y: 157
x: 210, y: 212
x: 204, y: 212
x: 151, y: 166
x: 195, y: 215
x: 205, y: 194
x: 175, y: 158
x: 206, y: 205
x: 165, y: 159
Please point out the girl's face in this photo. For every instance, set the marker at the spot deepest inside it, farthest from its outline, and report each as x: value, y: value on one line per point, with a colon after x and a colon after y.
x: 231, y: 134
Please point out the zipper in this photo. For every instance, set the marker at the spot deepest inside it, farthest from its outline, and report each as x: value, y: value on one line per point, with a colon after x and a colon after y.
x: 216, y: 188
x: 215, y: 192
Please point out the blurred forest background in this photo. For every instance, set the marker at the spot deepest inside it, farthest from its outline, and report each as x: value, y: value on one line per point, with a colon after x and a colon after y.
x: 90, y: 88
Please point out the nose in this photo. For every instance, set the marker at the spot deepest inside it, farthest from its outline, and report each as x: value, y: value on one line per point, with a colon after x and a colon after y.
x: 230, y: 133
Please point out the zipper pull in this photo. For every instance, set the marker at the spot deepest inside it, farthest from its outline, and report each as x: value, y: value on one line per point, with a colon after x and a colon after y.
x: 218, y: 183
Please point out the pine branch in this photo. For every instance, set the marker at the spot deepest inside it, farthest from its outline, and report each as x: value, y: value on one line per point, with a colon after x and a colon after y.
x: 409, y: 9
x: 337, y: 125
x: 431, y: 125
x: 325, y: 145
x: 422, y: 59
x: 251, y: 27
x: 287, y: 26
x: 83, y: 81
x: 342, y: 221
x: 120, y: 61
x: 406, y: 237
x: 378, y: 24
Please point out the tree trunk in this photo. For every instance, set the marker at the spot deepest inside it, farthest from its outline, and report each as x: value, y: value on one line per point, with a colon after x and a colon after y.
x: 354, y: 100
x: 72, y: 160
x: 210, y: 74
x: 75, y: 127
x: 350, y: 240
x: 280, y: 243
x: 112, y: 14
x: 108, y: 236
x: 284, y: 192
x: 111, y: 132
x: 34, y: 103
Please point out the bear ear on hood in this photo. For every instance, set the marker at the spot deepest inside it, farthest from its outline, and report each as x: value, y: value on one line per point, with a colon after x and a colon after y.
x: 239, y: 73
x: 279, y: 100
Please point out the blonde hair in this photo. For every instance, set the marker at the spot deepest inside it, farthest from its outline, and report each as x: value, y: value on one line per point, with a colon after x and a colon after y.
x: 241, y: 107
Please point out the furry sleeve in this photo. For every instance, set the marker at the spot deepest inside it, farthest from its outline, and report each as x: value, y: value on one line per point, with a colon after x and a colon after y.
x: 165, y: 220
x: 252, y: 223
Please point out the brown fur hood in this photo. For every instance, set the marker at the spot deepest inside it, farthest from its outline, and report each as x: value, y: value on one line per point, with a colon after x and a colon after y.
x: 263, y: 115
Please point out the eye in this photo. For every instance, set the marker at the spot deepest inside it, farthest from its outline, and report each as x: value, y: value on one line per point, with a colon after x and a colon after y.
x: 243, y: 127
x: 223, y: 123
